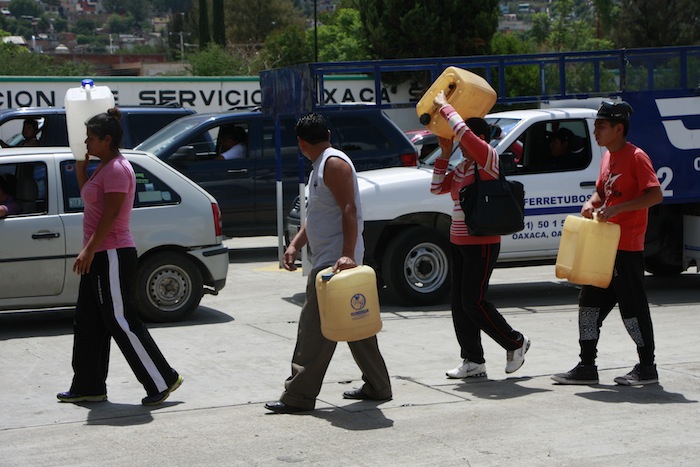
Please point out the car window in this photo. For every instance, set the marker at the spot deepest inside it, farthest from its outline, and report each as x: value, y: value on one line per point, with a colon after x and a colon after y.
x: 11, y: 130
x: 163, y: 139
x: 288, y: 138
x: 554, y: 146
x: 357, y: 134
x: 150, y: 190
x: 144, y: 125
x: 30, y: 182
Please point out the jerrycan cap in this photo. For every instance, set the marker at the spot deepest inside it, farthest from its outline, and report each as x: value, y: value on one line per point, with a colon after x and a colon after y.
x: 87, y: 82
x: 327, y: 276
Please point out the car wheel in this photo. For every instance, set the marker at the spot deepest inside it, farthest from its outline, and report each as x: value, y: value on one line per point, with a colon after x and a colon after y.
x: 168, y: 287
x: 416, y: 267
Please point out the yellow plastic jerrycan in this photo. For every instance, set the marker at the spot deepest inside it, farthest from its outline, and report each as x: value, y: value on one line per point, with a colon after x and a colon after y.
x: 469, y: 94
x: 349, y: 303
x: 81, y: 105
x: 587, y: 251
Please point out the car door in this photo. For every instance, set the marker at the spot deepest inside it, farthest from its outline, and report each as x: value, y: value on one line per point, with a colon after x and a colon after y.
x: 32, y: 242
x: 294, y: 167
x: 552, y: 190
x: 231, y: 182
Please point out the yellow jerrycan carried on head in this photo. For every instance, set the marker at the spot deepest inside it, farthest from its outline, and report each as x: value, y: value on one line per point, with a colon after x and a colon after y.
x: 81, y: 105
x: 349, y: 303
x: 587, y: 251
x: 469, y: 94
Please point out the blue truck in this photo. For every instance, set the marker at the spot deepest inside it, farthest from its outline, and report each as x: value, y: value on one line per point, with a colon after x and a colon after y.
x: 406, y: 229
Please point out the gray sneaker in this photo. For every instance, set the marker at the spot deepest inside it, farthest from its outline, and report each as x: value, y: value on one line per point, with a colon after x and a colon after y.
x: 467, y: 369
x: 639, y: 376
x: 581, y: 374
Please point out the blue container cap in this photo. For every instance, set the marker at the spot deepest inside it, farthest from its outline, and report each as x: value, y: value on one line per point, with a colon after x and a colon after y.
x: 87, y: 82
x: 327, y: 276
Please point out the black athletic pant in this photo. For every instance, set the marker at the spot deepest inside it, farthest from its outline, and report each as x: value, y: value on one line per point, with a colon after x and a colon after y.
x: 472, y: 266
x: 627, y: 290
x: 105, y: 310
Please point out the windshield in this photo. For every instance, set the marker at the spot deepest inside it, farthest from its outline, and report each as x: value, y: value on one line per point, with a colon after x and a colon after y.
x: 165, y: 137
x: 505, y: 124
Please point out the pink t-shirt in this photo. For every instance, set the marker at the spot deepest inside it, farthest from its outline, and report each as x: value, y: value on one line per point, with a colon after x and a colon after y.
x: 116, y: 176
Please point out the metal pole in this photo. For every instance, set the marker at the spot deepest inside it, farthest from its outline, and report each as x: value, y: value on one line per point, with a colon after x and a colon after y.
x: 315, y: 30
x: 182, y: 34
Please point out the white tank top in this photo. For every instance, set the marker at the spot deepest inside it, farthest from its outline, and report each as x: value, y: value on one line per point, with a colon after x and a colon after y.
x: 324, y: 226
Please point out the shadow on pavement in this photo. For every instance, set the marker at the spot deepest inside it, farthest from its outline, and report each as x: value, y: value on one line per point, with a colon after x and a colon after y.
x: 350, y: 418
x: 509, y: 388
x: 652, y: 394
x: 110, y: 414
x: 252, y: 255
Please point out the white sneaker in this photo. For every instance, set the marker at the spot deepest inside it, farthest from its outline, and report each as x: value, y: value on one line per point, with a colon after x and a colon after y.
x: 516, y: 358
x: 467, y: 369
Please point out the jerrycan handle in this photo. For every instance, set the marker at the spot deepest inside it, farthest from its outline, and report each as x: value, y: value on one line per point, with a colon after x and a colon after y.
x: 425, y: 118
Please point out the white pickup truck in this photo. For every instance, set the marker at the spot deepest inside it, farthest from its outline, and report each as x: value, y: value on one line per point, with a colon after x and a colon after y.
x: 407, y: 228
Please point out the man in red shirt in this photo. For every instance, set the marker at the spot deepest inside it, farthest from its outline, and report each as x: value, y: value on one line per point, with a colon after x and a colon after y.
x: 626, y: 187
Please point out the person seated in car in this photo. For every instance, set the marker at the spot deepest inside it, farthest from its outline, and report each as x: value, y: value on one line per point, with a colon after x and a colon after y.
x: 30, y: 128
x: 8, y: 186
x: 565, y: 150
x: 232, y: 140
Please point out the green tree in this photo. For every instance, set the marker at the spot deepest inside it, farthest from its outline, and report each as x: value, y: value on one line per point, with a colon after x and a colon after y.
x: 204, y: 34
x: 250, y: 21
x: 522, y: 80
x: 85, y: 26
x: 429, y: 28
x: 218, y: 26
x: 285, y: 47
x: 118, y: 24
x: 657, y: 23
x: 25, y: 8
x: 214, y: 60
x: 136, y: 8
x: 540, y: 28
x: 340, y: 37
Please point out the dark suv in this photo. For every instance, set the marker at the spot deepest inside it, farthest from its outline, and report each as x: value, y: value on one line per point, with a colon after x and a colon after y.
x: 139, y: 123
x: 246, y: 187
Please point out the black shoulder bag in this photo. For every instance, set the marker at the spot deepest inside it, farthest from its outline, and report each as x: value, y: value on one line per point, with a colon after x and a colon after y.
x: 493, y: 207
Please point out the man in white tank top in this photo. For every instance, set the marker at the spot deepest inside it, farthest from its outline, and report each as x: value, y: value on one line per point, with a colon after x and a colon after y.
x: 333, y: 230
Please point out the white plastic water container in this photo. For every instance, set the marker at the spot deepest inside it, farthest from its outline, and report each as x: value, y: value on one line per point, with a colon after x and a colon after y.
x: 81, y: 105
x: 349, y: 303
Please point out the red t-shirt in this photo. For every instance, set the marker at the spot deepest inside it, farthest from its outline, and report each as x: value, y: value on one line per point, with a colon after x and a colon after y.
x: 624, y: 176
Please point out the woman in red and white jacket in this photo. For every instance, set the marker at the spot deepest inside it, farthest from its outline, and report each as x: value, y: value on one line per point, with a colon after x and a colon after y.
x: 473, y: 257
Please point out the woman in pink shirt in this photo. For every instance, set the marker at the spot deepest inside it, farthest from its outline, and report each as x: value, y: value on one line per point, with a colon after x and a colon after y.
x: 473, y: 257
x: 107, y: 264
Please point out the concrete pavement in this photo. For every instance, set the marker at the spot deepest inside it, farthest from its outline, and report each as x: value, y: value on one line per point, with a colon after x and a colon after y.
x: 235, y: 351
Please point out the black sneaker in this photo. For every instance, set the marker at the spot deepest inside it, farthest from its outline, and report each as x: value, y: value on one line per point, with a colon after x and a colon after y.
x: 581, y: 374
x: 159, y: 398
x: 639, y: 376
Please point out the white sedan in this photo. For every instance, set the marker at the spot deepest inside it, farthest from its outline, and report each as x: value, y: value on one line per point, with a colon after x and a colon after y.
x: 176, y: 225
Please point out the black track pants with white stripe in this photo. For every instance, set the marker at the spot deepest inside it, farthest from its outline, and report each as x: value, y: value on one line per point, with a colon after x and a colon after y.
x: 106, y: 309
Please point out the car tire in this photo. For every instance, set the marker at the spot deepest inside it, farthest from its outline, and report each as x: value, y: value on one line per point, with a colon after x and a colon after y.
x: 168, y: 287
x: 416, y: 267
